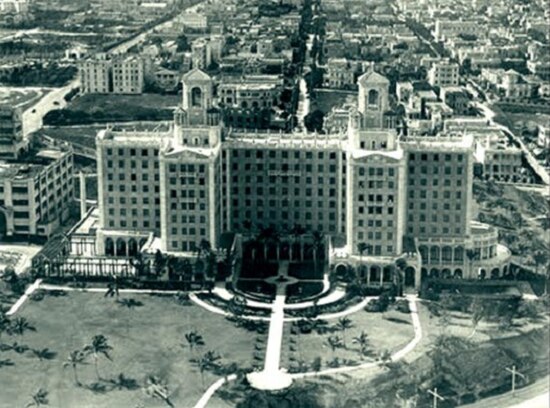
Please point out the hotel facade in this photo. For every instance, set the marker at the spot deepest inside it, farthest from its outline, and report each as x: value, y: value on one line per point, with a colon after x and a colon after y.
x: 363, y: 186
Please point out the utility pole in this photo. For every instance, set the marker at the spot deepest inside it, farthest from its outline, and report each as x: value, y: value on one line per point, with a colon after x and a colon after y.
x: 436, y: 397
x: 514, y: 372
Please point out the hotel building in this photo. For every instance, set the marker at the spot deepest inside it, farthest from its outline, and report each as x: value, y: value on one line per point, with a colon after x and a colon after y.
x: 398, y: 196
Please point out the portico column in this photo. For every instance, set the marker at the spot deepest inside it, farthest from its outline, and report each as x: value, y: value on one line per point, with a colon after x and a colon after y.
x: 381, y: 275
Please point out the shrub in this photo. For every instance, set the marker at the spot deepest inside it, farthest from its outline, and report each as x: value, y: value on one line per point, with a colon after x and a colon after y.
x: 402, y: 306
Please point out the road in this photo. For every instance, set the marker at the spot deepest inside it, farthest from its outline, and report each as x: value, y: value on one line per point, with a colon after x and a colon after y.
x: 33, y: 116
x: 523, y: 398
x: 303, y: 103
x: 125, y: 46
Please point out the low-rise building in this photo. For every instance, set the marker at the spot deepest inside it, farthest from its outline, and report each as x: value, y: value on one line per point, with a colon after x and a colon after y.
x: 36, y: 190
x: 340, y: 74
x: 443, y: 73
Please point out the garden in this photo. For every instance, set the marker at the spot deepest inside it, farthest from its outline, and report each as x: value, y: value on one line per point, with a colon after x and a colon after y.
x: 360, y: 337
x: 85, y: 349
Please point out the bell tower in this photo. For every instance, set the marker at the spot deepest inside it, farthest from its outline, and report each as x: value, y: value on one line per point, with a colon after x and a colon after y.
x: 373, y: 99
x: 197, y: 96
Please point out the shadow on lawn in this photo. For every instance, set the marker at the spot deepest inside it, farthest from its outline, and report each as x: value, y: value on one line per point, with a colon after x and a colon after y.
x: 396, y: 320
x: 120, y: 382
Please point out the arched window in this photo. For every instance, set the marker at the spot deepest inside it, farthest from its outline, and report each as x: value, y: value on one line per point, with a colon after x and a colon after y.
x: 373, y: 97
x: 196, y: 97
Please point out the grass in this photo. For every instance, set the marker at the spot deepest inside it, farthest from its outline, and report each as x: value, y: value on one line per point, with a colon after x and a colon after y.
x: 386, y: 331
x: 123, y: 103
x: 145, y: 339
x: 325, y: 100
x: 22, y: 98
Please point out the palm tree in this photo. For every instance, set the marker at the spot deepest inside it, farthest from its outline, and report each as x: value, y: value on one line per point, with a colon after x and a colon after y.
x: 471, y: 254
x: 363, y: 341
x: 334, y: 342
x: 99, y: 346
x: 20, y: 325
x: 156, y: 388
x: 194, y: 339
x: 159, y: 262
x: 75, y: 358
x: 344, y: 323
x: 39, y: 398
x: 400, y: 265
x: 207, y: 361
x: 318, y: 241
x: 140, y: 264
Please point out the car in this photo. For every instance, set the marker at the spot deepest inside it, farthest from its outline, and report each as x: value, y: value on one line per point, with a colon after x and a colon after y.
x: 56, y: 103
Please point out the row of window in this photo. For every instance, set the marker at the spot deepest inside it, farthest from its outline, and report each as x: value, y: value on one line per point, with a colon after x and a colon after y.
x: 282, y: 154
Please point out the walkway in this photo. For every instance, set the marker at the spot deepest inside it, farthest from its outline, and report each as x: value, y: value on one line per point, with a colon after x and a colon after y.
x: 272, y: 377
x: 30, y: 290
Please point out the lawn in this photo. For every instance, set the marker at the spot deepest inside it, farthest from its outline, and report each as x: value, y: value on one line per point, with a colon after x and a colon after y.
x: 145, y: 339
x: 92, y: 108
x: 325, y: 100
x: 390, y: 331
x: 92, y: 102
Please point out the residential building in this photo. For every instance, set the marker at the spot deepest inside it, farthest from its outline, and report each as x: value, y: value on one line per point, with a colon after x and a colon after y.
x: 201, y: 54
x: 443, y: 73
x: 340, y: 74
x: 119, y: 75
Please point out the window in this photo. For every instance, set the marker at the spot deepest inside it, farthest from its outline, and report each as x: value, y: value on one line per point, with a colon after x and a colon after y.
x: 373, y: 98
x: 196, y: 97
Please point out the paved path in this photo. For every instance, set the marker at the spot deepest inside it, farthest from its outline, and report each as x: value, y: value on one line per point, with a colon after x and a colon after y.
x: 24, y: 297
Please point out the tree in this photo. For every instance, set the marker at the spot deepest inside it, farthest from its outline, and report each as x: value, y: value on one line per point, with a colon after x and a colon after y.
x: 478, y: 313
x: 334, y: 342
x: 159, y: 262
x: 156, y: 388
x: 98, y: 347
x: 363, y: 341
x: 400, y: 265
x: 194, y: 340
x: 75, y: 358
x: 207, y: 361
x: 344, y: 323
x: 20, y: 325
x: 313, y: 121
x: 39, y: 398
x: 471, y: 254
x: 140, y: 264
x: 183, y: 43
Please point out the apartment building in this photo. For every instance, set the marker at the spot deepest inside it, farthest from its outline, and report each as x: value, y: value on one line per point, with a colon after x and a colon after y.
x: 35, y: 192
x: 362, y: 185
x: 119, y: 75
x: 443, y: 73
